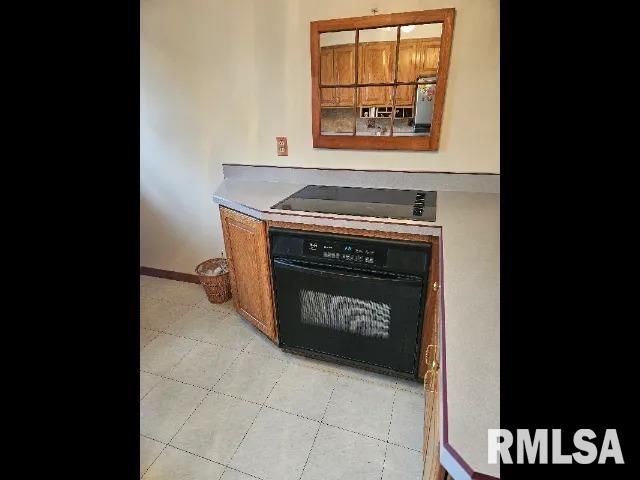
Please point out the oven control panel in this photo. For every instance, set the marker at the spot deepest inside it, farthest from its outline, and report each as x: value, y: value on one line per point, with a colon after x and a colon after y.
x: 343, y: 252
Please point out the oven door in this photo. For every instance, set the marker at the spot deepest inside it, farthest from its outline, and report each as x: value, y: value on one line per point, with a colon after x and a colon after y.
x: 357, y: 315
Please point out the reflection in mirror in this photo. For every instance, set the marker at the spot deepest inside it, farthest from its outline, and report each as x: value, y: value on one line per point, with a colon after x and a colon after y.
x: 425, y: 97
x: 376, y: 54
x: 337, y: 58
x: 336, y: 120
x: 337, y: 67
x: 384, y: 87
x: 419, y: 55
x: 373, y: 120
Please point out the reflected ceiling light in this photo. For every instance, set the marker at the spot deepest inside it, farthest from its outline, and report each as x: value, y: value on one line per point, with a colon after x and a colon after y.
x: 404, y: 28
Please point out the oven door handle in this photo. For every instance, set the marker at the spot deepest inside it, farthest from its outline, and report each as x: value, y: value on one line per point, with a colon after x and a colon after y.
x: 329, y: 270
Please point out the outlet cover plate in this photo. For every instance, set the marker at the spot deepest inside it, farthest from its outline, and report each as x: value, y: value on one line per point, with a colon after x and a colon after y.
x: 281, y: 145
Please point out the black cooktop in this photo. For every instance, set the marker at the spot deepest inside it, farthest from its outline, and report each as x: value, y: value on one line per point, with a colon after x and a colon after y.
x: 366, y: 202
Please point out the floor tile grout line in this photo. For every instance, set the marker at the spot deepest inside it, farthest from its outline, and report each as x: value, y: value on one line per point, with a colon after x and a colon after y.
x: 157, y: 456
x: 175, y: 380
x: 165, y: 445
x: 193, y: 411
x: 386, y: 447
x: 291, y: 413
x: 214, y: 461
x: 393, y: 404
x: 154, y: 337
x: 326, y: 407
x: 154, y: 460
x: 396, y: 386
x: 405, y: 447
x: 236, y: 397
x: 154, y: 385
x: 288, y: 361
x: 353, y: 431
x: 262, y: 406
x: 197, y: 305
x: 203, y: 341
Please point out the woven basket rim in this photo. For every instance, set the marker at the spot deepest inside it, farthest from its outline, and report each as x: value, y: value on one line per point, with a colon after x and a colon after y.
x: 213, y: 261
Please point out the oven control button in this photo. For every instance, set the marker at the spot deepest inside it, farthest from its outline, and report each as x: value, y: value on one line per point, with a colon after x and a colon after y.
x: 369, y: 252
x: 359, y: 251
x: 368, y: 259
x: 359, y: 258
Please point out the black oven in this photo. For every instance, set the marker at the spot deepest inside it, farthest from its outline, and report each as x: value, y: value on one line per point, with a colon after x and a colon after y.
x: 355, y: 299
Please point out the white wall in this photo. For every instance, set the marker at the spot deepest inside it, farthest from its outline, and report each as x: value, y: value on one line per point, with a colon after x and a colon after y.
x: 220, y: 80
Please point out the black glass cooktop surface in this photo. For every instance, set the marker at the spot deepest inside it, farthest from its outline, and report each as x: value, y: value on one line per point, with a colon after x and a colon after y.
x: 366, y: 202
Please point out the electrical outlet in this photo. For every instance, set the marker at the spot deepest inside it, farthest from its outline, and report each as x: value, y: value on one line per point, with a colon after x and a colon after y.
x: 281, y: 143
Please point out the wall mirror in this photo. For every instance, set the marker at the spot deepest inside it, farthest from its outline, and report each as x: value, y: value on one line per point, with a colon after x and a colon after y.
x: 379, y: 82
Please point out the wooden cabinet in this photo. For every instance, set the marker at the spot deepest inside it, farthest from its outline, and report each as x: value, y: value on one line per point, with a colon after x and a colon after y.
x: 428, y: 56
x: 376, y: 66
x: 344, y: 62
x: 407, y: 54
x: 247, y: 246
x: 337, y: 67
x: 429, y: 371
x: 432, y: 469
x: 327, y: 95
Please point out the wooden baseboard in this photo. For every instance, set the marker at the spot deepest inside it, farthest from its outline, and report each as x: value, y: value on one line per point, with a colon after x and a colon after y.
x: 179, y: 276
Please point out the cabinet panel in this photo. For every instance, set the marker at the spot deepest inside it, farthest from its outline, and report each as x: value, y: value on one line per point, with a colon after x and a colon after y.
x: 407, y: 54
x: 428, y: 56
x: 247, y: 246
x: 327, y: 95
x: 376, y: 66
x: 344, y: 58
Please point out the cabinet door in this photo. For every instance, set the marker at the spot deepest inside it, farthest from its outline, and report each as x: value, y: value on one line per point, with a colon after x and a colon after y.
x: 327, y: 95
x: 432, y: 469
x: 344, y: 58
x: 428, y: 57
x: 247, y: 246
x: 430, y: 372
x: 408, y: 51
x: 377, y: 67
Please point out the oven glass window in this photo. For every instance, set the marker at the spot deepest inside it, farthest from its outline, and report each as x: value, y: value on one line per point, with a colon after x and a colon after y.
x: 348, y: 314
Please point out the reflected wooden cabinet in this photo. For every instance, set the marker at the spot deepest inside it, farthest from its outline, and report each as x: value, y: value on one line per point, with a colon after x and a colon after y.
x: 344, y: 60
x: 247, y: 246
x: 407, y: 54
x: 376, y: 66
x: 327, y: 95
x: 427, y: 57
x: 338, y: 67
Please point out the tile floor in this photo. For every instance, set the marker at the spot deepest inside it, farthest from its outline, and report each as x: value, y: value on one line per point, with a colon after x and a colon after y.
x: 219, y: 401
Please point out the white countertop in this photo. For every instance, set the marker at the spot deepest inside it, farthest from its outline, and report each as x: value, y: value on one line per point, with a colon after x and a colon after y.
x: 469, y: 225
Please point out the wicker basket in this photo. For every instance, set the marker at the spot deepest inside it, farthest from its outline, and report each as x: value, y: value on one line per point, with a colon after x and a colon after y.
x: 217, y: 287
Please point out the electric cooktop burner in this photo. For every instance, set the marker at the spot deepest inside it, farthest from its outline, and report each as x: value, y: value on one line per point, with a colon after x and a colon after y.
x: 365, y: 202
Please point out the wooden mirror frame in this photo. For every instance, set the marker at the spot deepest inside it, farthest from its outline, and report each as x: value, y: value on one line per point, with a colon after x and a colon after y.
x: 420, y: 142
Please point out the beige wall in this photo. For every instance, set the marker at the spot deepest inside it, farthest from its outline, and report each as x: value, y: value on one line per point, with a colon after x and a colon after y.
x: 221, y: 79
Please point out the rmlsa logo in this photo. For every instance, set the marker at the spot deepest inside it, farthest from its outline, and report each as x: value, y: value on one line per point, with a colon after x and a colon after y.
x: 500, y: 444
